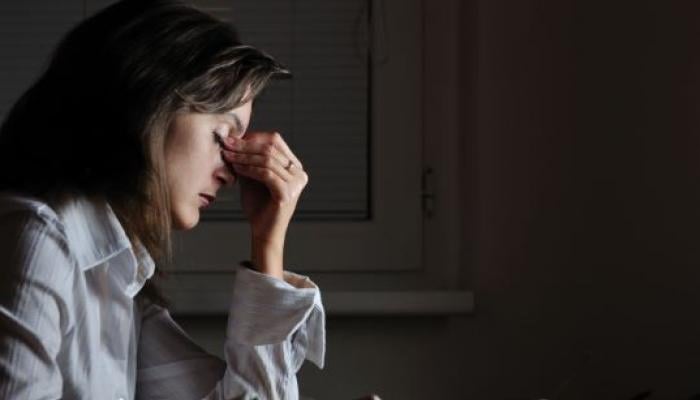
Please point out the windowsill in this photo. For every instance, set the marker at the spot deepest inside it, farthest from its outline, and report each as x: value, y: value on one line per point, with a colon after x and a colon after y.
x: 416, y: 303
x: 365, y: 303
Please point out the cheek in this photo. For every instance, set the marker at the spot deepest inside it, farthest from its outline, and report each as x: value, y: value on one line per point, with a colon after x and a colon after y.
x: 190, y: 171
x: 190, y: 157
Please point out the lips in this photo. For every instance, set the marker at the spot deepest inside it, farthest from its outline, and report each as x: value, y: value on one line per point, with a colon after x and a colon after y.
x: 207, y: 199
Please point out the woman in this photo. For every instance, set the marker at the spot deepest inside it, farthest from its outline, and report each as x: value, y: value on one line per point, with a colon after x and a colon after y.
x: 139, y: 119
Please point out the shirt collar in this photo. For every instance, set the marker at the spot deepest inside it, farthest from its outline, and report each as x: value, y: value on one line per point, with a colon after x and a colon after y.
x: 100, y: 238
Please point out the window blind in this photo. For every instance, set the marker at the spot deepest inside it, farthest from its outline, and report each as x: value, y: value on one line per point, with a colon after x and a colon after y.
x: 323, y: 111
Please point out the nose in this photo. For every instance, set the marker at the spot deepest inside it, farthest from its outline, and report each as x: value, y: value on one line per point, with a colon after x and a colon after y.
x: 225, y: 175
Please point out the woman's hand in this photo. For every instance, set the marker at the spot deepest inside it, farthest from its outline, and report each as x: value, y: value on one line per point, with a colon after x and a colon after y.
x: 272, y: 179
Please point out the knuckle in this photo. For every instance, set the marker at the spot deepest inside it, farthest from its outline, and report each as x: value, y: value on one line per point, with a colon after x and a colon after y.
x: 276, y: 136
x: 268, y: 149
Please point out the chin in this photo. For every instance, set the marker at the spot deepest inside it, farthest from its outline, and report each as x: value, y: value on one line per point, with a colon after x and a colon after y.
x: 185, y: 221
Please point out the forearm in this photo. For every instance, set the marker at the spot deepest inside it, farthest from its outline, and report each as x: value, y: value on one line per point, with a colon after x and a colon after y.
x: 268, y: 256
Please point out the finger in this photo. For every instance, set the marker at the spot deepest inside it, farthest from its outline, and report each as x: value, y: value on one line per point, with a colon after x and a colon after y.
x: 271, y: 180
x: 282, y: 146
x: 263, y: 142
x: 264, y: 149
x: 259, y: 160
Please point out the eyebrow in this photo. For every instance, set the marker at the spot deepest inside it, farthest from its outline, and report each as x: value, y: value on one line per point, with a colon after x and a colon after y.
x: 236, y: 121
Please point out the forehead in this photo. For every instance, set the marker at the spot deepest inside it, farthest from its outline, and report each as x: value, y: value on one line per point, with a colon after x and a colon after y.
x: 239, y: 116
x: 235, y: 120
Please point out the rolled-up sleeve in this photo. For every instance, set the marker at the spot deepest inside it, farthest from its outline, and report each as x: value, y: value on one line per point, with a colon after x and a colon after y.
x: 266, y: 310
x: 273, y: 326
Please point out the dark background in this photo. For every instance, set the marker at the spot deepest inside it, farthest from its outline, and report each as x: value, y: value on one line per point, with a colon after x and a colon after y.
x: 581, y: 122
x: 581, y: 218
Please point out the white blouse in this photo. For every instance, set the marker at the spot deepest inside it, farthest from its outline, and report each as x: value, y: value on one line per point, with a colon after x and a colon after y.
x: 70, y: 326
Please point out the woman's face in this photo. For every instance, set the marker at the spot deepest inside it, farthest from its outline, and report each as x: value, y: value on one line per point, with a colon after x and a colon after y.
x: 194, y: 167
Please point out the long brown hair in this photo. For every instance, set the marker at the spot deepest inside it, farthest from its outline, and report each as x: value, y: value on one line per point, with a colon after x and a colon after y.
x: 95, y: 122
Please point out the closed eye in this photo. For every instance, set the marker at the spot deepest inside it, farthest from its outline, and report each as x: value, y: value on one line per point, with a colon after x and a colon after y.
x: 218, y: 139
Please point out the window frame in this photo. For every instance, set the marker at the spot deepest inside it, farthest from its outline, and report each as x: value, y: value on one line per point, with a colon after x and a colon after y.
x: 439, y: 285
